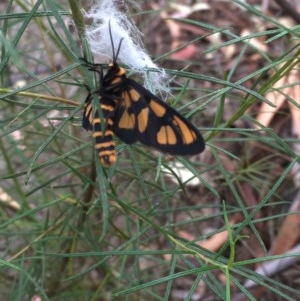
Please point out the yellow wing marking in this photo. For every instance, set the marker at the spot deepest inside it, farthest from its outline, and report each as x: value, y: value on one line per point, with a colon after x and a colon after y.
x: 143, y: 120
x: 188, y: 135
x: 134, y: 95
x: 166, y: 135
x: 127, y: 121
x: 158, y: 109
x: 127, y: 99
x: 88, y: 113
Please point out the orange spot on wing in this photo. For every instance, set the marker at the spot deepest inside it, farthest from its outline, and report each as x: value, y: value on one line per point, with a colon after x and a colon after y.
x: 166, y: 135
x: 134, y: 95
x: 158, y: 109
x: 188, y: 135
x: 143, y: 120
x: 127, y: 121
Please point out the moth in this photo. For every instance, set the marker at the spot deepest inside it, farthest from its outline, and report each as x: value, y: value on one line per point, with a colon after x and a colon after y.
x: 134, y: 114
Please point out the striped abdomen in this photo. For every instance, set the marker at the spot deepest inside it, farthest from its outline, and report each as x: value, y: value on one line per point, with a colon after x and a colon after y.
x: 104, y: 143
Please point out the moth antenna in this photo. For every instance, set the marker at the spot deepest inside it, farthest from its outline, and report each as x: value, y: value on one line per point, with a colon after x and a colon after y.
x: 119, y: 48
x: 115, y: 55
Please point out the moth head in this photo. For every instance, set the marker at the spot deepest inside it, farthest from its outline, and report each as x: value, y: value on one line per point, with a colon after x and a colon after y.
x: 115, y: 70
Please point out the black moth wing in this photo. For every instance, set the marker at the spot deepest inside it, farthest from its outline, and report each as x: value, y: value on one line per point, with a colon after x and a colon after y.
x: 144, y: 117
x: 87, y: 114
x: 105, y: 95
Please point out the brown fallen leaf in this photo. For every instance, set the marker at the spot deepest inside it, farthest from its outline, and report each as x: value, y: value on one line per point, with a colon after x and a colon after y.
x: 185, y: 53
x: 289, y: 234
x: 277, y: 98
